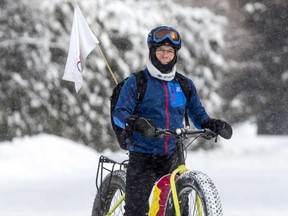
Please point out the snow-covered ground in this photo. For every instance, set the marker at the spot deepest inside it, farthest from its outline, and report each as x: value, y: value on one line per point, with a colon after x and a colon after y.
x: 50, y: 176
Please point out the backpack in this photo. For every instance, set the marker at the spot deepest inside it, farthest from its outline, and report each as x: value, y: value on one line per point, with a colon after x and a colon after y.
x: 141, y: 80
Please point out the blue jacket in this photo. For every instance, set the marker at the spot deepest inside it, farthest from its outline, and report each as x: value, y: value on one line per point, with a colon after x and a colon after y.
x: 164, y: 103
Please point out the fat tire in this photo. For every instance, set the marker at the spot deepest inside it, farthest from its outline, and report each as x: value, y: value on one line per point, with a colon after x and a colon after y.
x: 112, y: 183
x: 204, y: 187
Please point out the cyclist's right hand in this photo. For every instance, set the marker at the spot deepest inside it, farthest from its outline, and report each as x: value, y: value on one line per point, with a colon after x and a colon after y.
x: 218, y: 126
x: 142, y: 125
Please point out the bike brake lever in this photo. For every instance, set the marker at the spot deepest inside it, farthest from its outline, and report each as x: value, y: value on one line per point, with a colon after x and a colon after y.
x: 160, y: 133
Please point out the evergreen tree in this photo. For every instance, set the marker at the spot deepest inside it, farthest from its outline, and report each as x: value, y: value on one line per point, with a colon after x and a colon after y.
x: 259, y: 85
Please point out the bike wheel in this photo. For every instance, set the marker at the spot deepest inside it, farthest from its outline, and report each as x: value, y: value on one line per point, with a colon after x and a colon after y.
x: 111, y: 189
x: 197, y: 196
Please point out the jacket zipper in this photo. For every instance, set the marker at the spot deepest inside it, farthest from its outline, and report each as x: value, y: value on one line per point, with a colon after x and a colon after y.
x: 167, y: 116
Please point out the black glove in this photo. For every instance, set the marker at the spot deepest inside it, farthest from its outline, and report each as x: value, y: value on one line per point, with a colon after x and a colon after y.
x: 142, y: 125
x: 218, y: 126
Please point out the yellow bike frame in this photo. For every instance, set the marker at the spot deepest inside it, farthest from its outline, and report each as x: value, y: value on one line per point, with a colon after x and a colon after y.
x: 181, y: 169
x: 122, y: 198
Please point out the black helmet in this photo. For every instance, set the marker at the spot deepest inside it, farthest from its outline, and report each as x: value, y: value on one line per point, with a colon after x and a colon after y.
x: 164, y: 35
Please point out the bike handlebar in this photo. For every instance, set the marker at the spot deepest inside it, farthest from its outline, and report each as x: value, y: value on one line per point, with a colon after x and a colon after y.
x: 182, y: 132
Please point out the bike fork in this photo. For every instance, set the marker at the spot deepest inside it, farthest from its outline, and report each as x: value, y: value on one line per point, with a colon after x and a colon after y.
x: 181, y: 169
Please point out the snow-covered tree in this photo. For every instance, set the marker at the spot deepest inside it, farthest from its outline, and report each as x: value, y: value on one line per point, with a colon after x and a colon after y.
x: 259, y: 84
x: 34, y: 47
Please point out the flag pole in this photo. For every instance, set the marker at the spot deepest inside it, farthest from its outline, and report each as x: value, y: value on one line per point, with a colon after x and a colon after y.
x: 107, y: 64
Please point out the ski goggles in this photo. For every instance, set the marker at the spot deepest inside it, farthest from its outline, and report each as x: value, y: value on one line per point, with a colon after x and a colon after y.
x: 162, y: 34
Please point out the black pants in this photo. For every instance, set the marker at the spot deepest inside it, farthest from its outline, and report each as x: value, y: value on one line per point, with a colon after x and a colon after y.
x: 142, y: 172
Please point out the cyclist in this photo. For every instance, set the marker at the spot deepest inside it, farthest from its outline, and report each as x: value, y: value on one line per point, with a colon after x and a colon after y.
x: 162, y: 106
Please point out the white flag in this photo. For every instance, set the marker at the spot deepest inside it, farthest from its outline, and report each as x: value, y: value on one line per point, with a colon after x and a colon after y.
x: 82, y: 42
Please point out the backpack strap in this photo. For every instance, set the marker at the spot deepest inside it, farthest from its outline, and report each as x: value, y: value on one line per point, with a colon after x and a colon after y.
x: 187, y: 92
x: 141, y: 81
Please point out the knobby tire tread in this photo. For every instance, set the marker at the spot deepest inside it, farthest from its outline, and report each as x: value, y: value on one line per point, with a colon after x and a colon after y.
x: 111, y: 183
x: 203, y: 185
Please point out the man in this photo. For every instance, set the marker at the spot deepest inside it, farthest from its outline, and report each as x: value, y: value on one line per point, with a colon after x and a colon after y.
x: 163, y: 106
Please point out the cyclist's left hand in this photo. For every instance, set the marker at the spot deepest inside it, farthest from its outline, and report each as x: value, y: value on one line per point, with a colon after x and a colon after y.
x: 218, y: 126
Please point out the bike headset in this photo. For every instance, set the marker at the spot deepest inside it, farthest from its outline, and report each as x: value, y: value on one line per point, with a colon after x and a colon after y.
x: 164, y: 35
